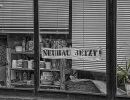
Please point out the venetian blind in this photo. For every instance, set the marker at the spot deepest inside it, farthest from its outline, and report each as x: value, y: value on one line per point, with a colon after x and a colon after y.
x: 17, y: 16
x: 89, y: 30
x: 123, y: 31
x: 54, y: 16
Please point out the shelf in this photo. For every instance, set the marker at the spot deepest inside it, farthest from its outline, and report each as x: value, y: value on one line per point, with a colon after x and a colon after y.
x: 22, y: 85
x: 55, y: 86
x: 18, y: 83
x: 23, y: 61
x: 27, y: 52
x: 55, y: 70
x: 24, y: 69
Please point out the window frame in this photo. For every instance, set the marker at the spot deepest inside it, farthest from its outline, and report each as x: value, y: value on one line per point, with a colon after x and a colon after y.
x: 111, y: 54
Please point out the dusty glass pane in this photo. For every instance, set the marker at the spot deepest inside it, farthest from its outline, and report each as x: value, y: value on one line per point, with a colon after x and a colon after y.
x: 73, y: 62
x: 123, y: 47
x: 16, y: 44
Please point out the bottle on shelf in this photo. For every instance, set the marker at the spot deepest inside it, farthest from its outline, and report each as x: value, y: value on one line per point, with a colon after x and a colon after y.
x: 24, y: 76
x: 25, y: 64
x: 42, y: 65
x: 23, y: 45
x: 20, y: 63
x: 48, y: 65
x: 30, y: 64
x: 14, y: 63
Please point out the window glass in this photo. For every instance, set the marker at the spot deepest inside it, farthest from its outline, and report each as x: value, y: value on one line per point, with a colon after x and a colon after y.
x: 16, y: 44
x: 123, y: 47
x: 73, y: 62
x: 68, y: 61
x: 89, y: 35
x: 54, y: 44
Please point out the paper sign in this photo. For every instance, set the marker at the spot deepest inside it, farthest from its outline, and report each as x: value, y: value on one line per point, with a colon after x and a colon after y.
x: 72, y: 53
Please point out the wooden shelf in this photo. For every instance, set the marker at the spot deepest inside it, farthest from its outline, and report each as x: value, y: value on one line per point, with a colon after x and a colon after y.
x: 55, y: 70
x: 26, y: 69
x: 27, y: 52
x: 21, y: 84
x: 26, y: 56
x: 55, y: 86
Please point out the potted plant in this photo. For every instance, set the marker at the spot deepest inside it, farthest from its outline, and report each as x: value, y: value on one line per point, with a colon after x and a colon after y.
x: 123, y: 73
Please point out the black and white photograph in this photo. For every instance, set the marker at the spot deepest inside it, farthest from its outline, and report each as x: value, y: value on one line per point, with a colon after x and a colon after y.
x: 64, y: 49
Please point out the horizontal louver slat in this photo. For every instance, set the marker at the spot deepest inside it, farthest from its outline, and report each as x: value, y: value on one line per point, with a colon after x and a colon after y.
x: 123, y: 31
x: 89, y: 30
x: 19, y: 13
x: 54, y: 13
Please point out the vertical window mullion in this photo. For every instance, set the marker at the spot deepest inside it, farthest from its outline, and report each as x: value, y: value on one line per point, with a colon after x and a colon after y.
x: 70, y: 19
x: 111, y: 48
x: 36, y: 46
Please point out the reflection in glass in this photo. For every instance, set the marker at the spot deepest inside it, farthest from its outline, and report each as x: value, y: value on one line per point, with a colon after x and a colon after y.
x: 74, y: 72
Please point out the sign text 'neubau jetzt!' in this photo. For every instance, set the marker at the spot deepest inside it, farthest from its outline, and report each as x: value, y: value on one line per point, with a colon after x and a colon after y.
x: 72, y: 53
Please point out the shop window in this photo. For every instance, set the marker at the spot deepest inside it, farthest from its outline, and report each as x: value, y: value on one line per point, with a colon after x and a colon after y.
x: 60, y: 70
x: 17, y: 46
x: 54, y: 21
x: 22, y: 61
x: 123, y: 47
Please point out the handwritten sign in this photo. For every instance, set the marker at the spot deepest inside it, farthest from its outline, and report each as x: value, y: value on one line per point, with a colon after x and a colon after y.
x: 72, y: 53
